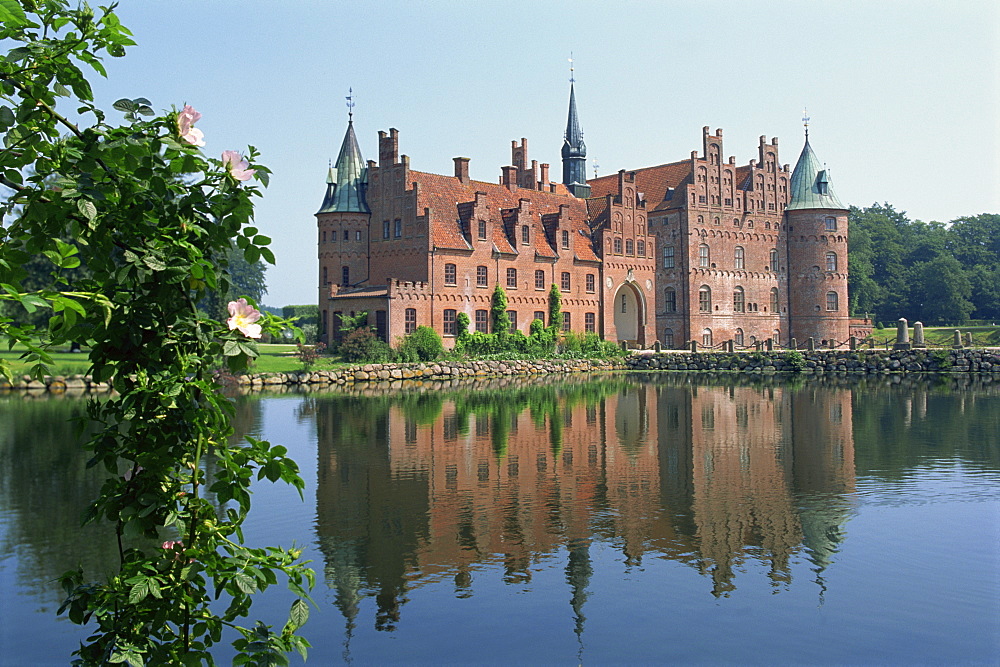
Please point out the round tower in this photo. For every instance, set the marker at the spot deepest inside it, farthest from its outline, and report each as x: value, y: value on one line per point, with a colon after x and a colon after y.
x: 816, y: 226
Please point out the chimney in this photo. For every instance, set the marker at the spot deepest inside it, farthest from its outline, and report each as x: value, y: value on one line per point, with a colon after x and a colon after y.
x: 462, y: 169
x: 509, y: 177
x: 388, y: 147
x: 545, y: 177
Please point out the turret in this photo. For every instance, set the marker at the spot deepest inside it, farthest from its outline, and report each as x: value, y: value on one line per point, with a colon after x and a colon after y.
x: 816, y: 223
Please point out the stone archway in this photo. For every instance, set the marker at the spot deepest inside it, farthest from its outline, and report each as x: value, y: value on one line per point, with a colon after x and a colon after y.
x: 630, y: 313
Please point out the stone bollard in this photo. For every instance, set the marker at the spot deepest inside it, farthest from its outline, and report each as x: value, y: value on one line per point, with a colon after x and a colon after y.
x: 730, y: 346
x: 657, y: 348
x: 968, y: 339
x: 852, y: 343
x: 902, y: 335
x: 918, y: 335
x: 694, y: 346
x: 811, y: 344
x: 957, y: 344
x: 793, y: 344
x: 871, y: 343
x: 769, y: 344
x: 625, y: 345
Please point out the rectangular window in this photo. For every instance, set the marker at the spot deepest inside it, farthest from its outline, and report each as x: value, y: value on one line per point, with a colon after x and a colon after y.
x: 590, y: 282
x: 410, y: 320
x: 539, y: 279
x: 397, y: 230
x: 589, y: 322
x: 525, y: 234
x: 512, y: 278
x: 385, y: 229
x: 450, y: 327
x: 668, y: 257
x: 357, y: 235
x: 512, y: 315
x: 482, y: 230
x: 345, y: 234
x: 481, y: 277
x: 450, y: 275
x: 540, y: 315
x: 564, y: 283
x: 704, y: 256
x: 482, y: 321
x: 345, y: 275
x: 831, y: 224
x: 566, y: 321
x: 670, y: 300
x: 565, y: 239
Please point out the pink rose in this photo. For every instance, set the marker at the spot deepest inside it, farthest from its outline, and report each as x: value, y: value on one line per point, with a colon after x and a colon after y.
x: 244, y: 318
x: 185, y: 126
x: 171, y: 544
x: 237, y: 165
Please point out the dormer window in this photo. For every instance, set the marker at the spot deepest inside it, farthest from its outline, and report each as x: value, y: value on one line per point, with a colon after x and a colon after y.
x: 482, y: 230
x: 525, y: 234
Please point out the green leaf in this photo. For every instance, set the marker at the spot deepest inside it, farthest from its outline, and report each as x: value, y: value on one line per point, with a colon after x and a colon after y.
x: 124, y: 104
x: 139, y: 592
x: 298, y: 615
x: 87, y: 209
x: 231, y: 348
x: 245, y: 583
x: 6, y: 118
x: 11, y: 14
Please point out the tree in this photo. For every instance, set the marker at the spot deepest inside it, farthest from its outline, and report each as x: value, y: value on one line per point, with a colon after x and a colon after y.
x: 498, y: 312
x: 246, y: 279
x: 941, y: 292
x: 555, y: 308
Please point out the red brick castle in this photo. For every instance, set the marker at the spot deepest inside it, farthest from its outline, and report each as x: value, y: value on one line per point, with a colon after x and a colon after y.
x: 700, y: 249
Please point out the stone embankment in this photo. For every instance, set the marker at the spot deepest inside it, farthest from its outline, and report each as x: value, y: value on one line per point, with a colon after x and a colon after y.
x: 825, y: 361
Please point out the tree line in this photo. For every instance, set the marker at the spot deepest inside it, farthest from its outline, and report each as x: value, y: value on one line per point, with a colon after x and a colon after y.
x: 932, y: 272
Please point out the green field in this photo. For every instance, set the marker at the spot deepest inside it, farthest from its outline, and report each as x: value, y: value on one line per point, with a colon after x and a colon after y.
x: 988, y: 336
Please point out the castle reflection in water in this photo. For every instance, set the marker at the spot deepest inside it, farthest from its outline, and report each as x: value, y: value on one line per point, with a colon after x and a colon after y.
x: 414, y: 487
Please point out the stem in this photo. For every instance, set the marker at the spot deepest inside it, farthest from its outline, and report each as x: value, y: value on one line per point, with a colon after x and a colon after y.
x: 192, y: 536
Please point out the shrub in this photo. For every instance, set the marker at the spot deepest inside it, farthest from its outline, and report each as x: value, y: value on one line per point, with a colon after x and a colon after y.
x: 796, y: 362
x: 308, y: 354
x: 424, y: 344
x: 364, y: 345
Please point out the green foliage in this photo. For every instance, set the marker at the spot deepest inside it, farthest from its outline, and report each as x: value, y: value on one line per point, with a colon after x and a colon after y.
x: 155, y: 223
x: 555, y: 308
x: 308, y: 354
x: 795, y: 361
x: 349, y: 323
x: 306, y: 314
x: 246, y: 279
x: 364, y: 345
x: 424, y: 344
x: 498, y: 311
x: 461, y: 324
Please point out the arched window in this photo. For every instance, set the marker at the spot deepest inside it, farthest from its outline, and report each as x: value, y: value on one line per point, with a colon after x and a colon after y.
x: 738, y: 337
x: 640, y: 248
x: 774, y: 299
x: 832, y: 301
x: 776, y: 336
x: 629, y: 248
x: 831, y: 261
x: 704, y: 256
x: 670, y: 300
x: 668, y: 257
x: 525, y: 234
x: 739, y: 257
x: 668, y: 338
x: 705, y: 299
x: 706, y: 337
x: 774, y: 260
x: 739, y: 300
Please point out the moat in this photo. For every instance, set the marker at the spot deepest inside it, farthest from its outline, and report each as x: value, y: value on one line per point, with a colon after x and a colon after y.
x: 619, y: 518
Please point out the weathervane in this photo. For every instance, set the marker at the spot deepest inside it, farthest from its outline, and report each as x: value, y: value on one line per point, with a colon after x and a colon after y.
x: 350, y: 104
x: 805, y: 121
x: 571, y: 79
x: 596, y: 166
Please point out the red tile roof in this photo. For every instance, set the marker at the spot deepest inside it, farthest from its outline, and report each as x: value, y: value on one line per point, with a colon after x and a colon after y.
x: 652, y: 182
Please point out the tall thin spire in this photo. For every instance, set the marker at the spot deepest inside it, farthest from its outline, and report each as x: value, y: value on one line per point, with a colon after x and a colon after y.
x: 574, y: 150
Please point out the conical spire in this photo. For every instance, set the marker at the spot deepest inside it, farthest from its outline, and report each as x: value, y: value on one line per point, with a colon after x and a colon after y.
x: 347, y: 179
x: 574, y: 151
x: 810, y: 184
x: 573, y: 145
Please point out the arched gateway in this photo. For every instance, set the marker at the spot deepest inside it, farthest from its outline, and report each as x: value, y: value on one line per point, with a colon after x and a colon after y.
x: 630, y: 314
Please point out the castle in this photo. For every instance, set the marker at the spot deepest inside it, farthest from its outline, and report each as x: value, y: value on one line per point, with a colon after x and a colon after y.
x: 695, y: 250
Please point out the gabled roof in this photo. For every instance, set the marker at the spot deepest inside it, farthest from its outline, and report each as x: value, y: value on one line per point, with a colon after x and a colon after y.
x: 810, y: 184
x: 653, y: 182
x: 347, y: 179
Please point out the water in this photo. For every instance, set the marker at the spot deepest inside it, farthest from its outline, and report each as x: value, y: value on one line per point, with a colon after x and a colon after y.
x: 624, y: 519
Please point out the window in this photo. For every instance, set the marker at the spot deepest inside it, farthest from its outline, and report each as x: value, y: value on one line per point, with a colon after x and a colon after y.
x: 590, y: 282
x: 565, y: 239
x: 397, y: 229
x: 345, y: 234
x: 831, y: 224
x: 774, y: 260
x: 589, y: 323
x: 385, y: 229
x: 640, y: 248
x: 774, y: 299
x: 739, y: 256
x: 618, y: 246
x: 629, y: 248
x: 324, y: 237
x: 450, y: 328
x: 668, y: 257
x: 704, y: 256
x: 525, y: 234
x: 482, y: 278
x: 539, y: 279
x: 705, y: 299
x: 512, y: 316
x: 512, y: 278
x: 831, y: 261
x: 738, y: 337
x: 668, y: 338
x: 624, y: 303
x: 345, y: 276
x: 670, y: 300
x: 449, y: 274
x: 706, y: 337
x: 333, y: 236
x: 326, y: 280
x: 482, y: 229
x: 566, y: 321
x: 482, y: 320
x: 739, y: 300
x: 564, y: 283
x: 410, y: 320
x: 357, y: 235
x: 540, y: 316
x: 832, y: 301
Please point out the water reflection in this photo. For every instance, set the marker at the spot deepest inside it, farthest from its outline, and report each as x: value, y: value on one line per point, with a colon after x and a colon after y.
x: 414, y: 487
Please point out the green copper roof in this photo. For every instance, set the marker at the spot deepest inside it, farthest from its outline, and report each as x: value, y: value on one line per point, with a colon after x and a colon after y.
x: 811, y: 184
x: 347, y: 179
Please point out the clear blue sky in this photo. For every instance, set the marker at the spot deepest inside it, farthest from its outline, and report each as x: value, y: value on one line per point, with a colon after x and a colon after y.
x: 903, y: 96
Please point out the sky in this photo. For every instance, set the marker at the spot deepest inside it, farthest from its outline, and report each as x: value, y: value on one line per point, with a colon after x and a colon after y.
x: 903, y: 97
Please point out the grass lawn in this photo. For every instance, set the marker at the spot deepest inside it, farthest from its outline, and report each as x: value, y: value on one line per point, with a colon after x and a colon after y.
x: 988, y: 336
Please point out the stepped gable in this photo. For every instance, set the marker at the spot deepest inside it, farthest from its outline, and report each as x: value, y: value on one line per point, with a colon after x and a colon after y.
x: 446, y: 197
x: 653, y: 182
